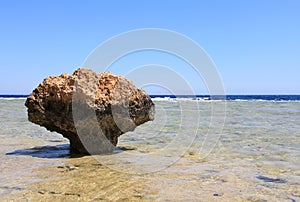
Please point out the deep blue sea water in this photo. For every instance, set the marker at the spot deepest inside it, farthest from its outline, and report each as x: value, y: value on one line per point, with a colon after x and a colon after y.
x: 235, y: 97
x: 227, y: 97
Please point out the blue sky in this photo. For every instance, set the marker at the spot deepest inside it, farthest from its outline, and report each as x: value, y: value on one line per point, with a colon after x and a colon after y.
x: 254, y: 44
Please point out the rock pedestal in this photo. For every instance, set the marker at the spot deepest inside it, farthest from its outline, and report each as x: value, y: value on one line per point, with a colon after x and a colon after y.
x: 92, y: 110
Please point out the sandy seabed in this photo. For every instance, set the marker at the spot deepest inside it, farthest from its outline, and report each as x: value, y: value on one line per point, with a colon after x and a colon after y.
x: 256, y: 159
x: 190, y: 179
x: 83, y: 179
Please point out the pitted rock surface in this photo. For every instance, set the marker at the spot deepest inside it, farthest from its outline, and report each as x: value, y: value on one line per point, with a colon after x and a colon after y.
x: 92, y: 110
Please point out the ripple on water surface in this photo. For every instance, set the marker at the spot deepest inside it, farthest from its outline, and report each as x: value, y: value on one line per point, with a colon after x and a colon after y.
x: 256, y: 159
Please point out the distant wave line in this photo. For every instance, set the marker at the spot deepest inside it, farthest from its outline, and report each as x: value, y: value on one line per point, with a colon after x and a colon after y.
x: 201, y: 97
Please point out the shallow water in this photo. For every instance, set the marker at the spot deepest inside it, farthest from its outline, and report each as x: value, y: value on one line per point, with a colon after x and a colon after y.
x: 24, y: 147
x: 255, y: 158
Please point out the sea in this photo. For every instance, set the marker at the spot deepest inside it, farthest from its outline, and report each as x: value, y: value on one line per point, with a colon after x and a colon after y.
x: 198, y: 148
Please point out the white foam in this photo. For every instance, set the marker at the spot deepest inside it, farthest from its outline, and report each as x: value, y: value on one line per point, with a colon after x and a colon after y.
x: 13, y: 98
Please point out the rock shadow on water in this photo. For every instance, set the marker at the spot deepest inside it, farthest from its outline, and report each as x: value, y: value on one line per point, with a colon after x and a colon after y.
x: 57, y: 151
x: 60, y: 151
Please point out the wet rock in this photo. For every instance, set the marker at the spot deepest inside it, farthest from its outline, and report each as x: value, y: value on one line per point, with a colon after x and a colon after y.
x: 92, y: 110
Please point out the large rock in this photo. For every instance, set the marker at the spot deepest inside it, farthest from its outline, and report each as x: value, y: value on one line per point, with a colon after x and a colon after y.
x: 91, y: 110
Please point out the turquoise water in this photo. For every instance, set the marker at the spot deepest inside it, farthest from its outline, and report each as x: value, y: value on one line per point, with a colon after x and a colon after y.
x: 256, y: 157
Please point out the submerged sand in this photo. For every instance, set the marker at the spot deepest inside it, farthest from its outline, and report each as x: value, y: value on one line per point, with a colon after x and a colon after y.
x: 83, y: 179
x: 256, y: 159
x: 189, y: 179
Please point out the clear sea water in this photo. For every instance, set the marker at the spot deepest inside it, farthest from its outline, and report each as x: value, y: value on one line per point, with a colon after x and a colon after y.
x: 256, y: 155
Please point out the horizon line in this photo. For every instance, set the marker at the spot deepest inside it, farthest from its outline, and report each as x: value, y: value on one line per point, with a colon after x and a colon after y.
x: 233, y: 94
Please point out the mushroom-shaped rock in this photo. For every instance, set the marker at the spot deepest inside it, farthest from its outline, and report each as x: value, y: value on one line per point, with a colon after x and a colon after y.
x: 92, y: 110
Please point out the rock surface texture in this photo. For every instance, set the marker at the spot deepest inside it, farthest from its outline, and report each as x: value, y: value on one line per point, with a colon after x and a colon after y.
x: 92, y: 110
